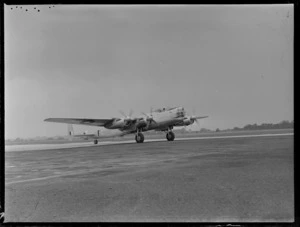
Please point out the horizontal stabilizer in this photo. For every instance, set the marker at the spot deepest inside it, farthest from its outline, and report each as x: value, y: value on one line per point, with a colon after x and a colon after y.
x: 86, y: 135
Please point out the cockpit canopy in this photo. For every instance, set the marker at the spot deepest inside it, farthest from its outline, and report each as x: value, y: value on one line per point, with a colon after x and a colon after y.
x: 164, y: 109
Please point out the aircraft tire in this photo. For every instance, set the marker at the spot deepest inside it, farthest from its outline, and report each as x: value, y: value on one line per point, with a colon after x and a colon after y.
x: 170, y: 136
x: 95, y: 141
x: 139, y: 138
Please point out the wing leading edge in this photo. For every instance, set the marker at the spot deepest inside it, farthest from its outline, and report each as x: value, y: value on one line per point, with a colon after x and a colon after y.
x: 80, y: 121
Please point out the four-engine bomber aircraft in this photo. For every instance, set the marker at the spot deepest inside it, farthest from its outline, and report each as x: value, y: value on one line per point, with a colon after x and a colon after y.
x: 160, y: 120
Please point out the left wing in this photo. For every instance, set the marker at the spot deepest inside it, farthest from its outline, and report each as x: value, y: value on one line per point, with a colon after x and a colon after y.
x: 81, y: 121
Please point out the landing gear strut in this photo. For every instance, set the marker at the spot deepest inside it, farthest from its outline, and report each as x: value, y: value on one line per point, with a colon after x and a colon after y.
x: 95, y: 141
x: 139, y: 137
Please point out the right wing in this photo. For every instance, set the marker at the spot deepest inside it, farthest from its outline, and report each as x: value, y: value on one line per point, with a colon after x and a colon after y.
x: 81, y: 121
x: 201, y: 117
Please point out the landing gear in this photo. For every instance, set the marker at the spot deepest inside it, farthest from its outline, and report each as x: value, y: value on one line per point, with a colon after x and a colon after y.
x: 95, y: 141
x: 139, y: 137
x: 170, y: 136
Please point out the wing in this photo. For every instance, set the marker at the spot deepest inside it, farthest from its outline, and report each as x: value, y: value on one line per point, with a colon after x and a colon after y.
x: 85, y: 135
x: 81, y: 121
x: 201, y: 117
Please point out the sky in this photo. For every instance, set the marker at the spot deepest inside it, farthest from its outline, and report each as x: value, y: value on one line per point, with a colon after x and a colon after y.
x: 233, y: 63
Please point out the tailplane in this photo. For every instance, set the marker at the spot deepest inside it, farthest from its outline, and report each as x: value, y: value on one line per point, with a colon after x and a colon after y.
x: 85, y: 134
x: 70, y: 130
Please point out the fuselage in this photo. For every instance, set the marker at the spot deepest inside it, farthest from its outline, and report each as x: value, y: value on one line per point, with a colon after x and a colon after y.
x: 165, y: 118
x: 159, y: 119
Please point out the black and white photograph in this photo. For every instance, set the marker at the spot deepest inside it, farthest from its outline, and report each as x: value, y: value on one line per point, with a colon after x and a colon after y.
x: 149, y: 113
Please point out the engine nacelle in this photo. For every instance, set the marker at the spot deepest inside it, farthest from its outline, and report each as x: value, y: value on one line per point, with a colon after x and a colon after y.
x: 117, y: 123
x: 188, y: 121
x: 141, y: 124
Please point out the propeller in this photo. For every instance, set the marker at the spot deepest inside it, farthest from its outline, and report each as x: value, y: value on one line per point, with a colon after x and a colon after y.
x: 195, y: 118
x: 149, y: 117
x: 127, y: 117
x: 191, y: 119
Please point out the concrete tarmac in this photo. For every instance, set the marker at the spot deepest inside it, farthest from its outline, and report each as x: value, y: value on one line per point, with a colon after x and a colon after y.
x: 240, y: 179
x: 31, y: 147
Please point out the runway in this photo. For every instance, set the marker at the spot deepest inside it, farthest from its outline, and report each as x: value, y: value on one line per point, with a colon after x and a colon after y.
x: 31, y: 147
x: 228, y: 179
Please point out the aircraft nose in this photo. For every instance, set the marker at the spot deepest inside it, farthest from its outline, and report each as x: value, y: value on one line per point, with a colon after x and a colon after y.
x: 180, y: 111
x: 183, y: 111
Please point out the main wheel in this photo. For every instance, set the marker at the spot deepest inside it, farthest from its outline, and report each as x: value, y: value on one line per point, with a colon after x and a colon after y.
x: 139, y: 138
x: 95, y: 141
x: 170, y: 136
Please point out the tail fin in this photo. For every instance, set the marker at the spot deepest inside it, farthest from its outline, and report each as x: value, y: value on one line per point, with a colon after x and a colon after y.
x: 70, y: 130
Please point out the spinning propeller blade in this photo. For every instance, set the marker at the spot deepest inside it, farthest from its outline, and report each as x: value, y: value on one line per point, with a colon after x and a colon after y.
x: 122, y: 113
x: 130, y: 113
x: 126, y: 117
x: 149, y: 117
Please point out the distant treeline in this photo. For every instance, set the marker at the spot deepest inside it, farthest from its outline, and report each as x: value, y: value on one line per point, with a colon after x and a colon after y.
x: 281, y: 125
x: 264, y: 126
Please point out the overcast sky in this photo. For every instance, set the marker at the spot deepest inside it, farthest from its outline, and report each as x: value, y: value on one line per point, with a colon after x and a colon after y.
x: 233, y: 63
